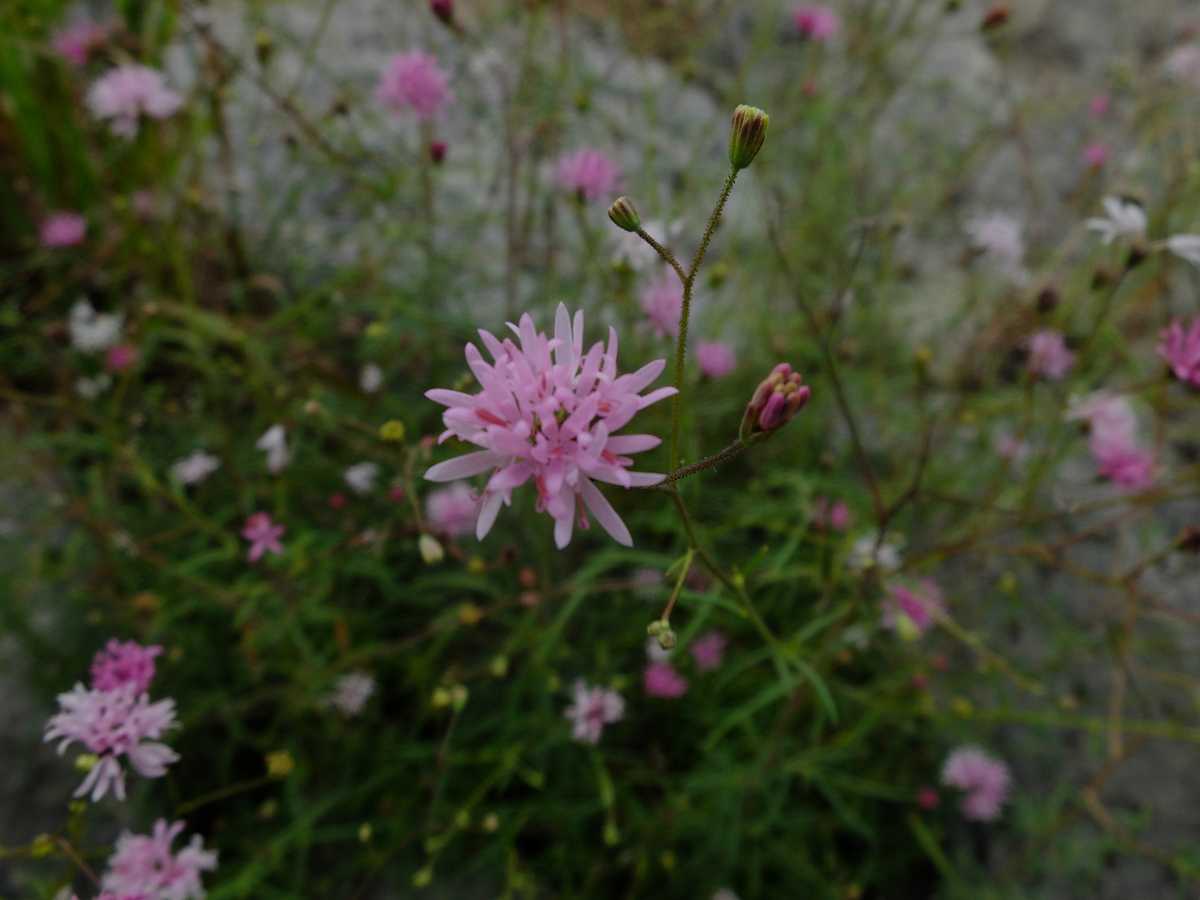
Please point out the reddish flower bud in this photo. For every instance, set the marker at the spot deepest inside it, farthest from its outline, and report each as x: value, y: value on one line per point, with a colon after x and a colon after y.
x: 776, y: 400
x: 437, y: 151
x: 443, y: 9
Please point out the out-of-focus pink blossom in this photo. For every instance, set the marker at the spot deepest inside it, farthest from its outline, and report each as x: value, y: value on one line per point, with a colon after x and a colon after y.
x: 63, y: 229
x: 927, y: 798
x: 547, y: 413
x: 1099, y: 105
x: 588, y: 173
x: 414, y: 81
x: 662, y: 301
x: 125, y: 94
x: 716, y: 359
x: 76, y: 42
x: 1096, y: 155
x: 144, y: 866
x: 263, y: 535
x: 452, y: 510
x: 1011, y: 447
x: 709, y: 650
x: 1126, y: 465
x: 1179, y: 346
x: 121, y: 663
x: 593, y: 709
x: 985, y: 780
x: 661, y: 680
x: 817, y: 23
x: 1049, y: 356
x: 830, y: 515
x: 912, y: 607
x: 120, y: 357
x: 1112, y: 427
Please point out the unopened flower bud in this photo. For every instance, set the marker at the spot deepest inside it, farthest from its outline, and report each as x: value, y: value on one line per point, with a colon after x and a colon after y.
x: 776, y: 400
x: 746, y: 138
x: 443, y: 9
x: 666, y: 638
x: 437, y: 152
x: 624, y: 215
x: 431, y: 551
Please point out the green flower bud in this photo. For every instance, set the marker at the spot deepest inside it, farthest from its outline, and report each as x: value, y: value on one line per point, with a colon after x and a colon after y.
x: 623, y: 214
x: 746, y: 138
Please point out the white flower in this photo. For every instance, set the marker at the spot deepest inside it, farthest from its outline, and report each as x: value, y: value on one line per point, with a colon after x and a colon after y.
x: 999, y: 236
x: 274, y: 444
x: 655, y: 651
x: 194, y: 468
x: 91, y: 331
x: 1126, y: 219
x: 865, y: 555
x: 361, y: 477
x: 1183, y: 64
x: 351, y: 693
x: 371, y: 378
x: 91, y: 388
x: 1185, y: 246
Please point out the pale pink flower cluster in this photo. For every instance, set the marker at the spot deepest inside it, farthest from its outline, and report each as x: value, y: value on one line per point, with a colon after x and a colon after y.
x: 661, y: 680
x: 143, y: 866
x: 662, y: 302
x: 985, y: 780
x: 121, y: 663
x: 414, y: 81
x: 548, y: 413
x: 1049, y: 357
x: 592, y: 709
x: 588, y: 173
x: 126, y: 93
x: 716, y: 359
x: 817, y: 23
x: 263, y: 535
x: 1113, y: 439
x: 708, y: 651
x: 63, y: 229
x: 912, y: 608
x: 1179, y: 346
x: 452, y: 510
x: 76, y: 42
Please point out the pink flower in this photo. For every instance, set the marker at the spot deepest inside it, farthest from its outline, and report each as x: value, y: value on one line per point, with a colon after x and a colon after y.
x: 1126, y: 465
x: 1096, y: 155
x: 452, y: 510
x: 547, y: 412
x: 817, y: 23
x: 1011, y: 447
x: 715, y: 358
x: 1113, y: 439
x: 263, y: 535
x: 111, y: 724
x: 76, y: 41
x: 661, y: 680
x: 986, y: 781
x: 592, y: 710
x: 120, y: 357
x: 413, y: 81
x: 832, y: 515
x: 708, y: 651
x: 124, y: 663
x: 1180, y: 347
x: 912, y: 607
x: 589, y: 173
x: 1099, y: 105
x: 1049, y: 356
x: 63, y: 229
x: 143, y: 866
x: 128, y: 92
x: 927, y: 798
x: 662, y: 302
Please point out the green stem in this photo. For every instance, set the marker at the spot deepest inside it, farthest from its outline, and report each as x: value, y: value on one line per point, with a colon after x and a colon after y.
x: 708, y: 462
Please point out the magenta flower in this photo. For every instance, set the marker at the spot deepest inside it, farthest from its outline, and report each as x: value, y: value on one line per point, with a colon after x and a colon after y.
x: 1180, y: 347
x: 661, y: 680
x: 1049, y: 356
x: 63, y: 229
x: 143, y: 866
x: 817, y: 23
x: 120, y: 357
x: 1113, y: 439
x: 588, y: 173
x: 263, y: 535
x: 129, y: 92
x: 914, y: 608
x: 662, y: 302
x: 830, y: 515
x: 124, y: 663
x: 592, y: 710
x: 985, y: 780
x: 452, y: 510
x: 547, y: 412
x: 708, y: 651
x: 1125, y: 464
x: 1099, y: 105
x: 1096, y: 155
x: 414, y: 81
x: 111, y: 724
x: 715, y: 358
x: 76, y: 41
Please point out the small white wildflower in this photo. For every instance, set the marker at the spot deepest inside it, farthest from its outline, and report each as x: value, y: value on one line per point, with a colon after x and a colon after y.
x: 92, y: 332
x: 865, y: 555
x: 351, y: 693
x: 274, y: 444
x: 371, y: 378
x: 1125, y: 219
x: 91, y: 388
x: 361, y: 477
x: 194, y: 468
x: 1185, y: 246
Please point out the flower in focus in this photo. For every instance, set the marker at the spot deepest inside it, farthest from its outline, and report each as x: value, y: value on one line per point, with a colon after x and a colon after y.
x: 999, y: 237
x: 143, y: 867
x: 414, y: 81
x: 76, y: 42
x: 588, y: 173
x: 592, y: 709
x: 817, y: 23
x: 126, y: 93
x: 1124, y: 219
x: 547, y: 412
x: 1049, y: 356
x: 830, y: 515
x: 452, y: 510
x: 361, y: 477
x: 194, y: 468
x: 111, y: 724
x: 708, y: 651
x: 274, y: 443
x: 351, y: 693
x: 120, y: 357
x: 985, y: 780
x: 662, y: 302
x: 63, y: 229
x: 661, y: 680
x: 1180, y: 348
x: 775, y: 402
x: 1096, y: 155
x: 370, y: 379
x: 91, y: 331
x: 124, y: 663
x: 912, y: 610
x: 716, y: 359
x: 263, y: 535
